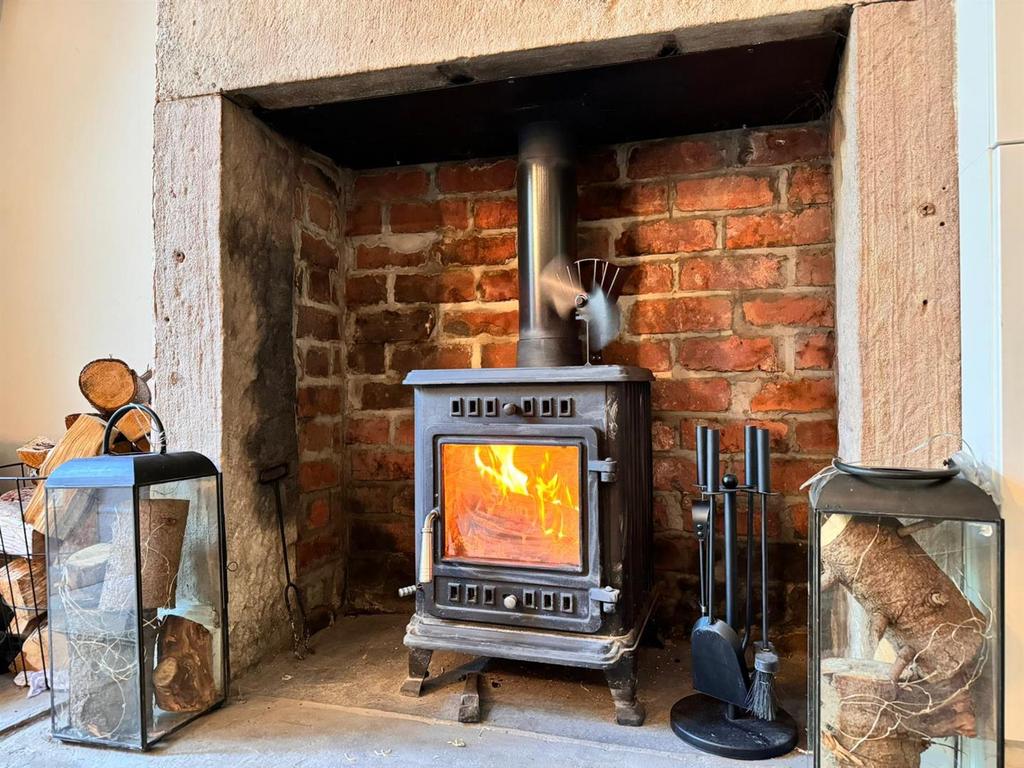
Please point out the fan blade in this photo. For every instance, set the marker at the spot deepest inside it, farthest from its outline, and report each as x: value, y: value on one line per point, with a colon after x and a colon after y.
x: 557, y: 285
x: 603, y: 319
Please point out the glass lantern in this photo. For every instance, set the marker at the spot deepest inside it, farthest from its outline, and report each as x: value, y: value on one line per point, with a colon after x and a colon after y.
x: 137, y: 594
x: 906, y: 576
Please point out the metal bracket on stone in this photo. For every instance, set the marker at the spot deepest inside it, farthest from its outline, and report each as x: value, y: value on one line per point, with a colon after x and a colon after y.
x: 605, y: 467
x: 469, y: 701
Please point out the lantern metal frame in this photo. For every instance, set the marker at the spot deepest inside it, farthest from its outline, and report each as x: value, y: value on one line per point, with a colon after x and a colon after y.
x: 900, y: 496
x: 137, y: 471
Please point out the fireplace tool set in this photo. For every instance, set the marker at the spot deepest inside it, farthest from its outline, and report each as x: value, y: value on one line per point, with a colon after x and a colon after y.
x: 733, y: 714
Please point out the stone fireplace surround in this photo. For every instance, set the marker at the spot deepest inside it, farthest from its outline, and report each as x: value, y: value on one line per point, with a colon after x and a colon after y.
x: 291, y: 294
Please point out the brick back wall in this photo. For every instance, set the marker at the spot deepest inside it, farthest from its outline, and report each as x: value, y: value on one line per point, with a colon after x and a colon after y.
x: 730, y: 304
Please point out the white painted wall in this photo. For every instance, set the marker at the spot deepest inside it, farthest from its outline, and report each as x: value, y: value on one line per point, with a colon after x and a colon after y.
x: 991, y: 156
x: 76, y: 234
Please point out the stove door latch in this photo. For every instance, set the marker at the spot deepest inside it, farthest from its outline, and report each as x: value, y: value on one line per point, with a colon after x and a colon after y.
x: 605, y: 467
x: 608, y: 597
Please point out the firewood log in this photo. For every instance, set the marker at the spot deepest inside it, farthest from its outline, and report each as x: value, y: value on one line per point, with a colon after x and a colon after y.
x: 35, y: 651
x: 109, y: 383
x: 33, y: 453
x: 85, y: 438
x: 936, y: 631
x: 183, y: 679
x: 23, y: 588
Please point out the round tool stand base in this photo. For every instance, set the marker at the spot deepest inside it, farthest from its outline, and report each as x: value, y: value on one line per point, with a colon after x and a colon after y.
x: 702, y: 722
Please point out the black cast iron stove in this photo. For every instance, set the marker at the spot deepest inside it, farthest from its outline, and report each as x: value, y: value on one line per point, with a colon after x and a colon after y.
x: 533, y: 484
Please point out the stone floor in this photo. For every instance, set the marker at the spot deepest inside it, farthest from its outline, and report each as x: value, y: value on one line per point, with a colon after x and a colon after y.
x: 341, y: 707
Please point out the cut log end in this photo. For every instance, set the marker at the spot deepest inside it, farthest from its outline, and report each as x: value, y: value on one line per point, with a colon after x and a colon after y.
x: 110, y: 383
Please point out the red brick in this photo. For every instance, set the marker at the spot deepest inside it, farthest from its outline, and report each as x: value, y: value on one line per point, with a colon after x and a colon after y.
x: 653, y: 355
x: 320, y: 211
x: 795, y: 396
x: 781, y: 146
x: 767, y: 230
x: 315, y: 176
x: 317, y: 362
x: 429, y: 216
x: 730, y: 273
x: 789, y: 473
x: 403, y: 502
x: 728, y: 353
x: 593, y: 243
x: 317, y: 475
x: 316, y: 401
x: 500, y: 213
x: 789, y: 309
x: 319, y: 286
x: 501, y: 285
x: 450, y: 285
x: 381, y: 465
x: 774, y: 521
x: 650, y: 277
x: 663, y: 436
x: 369, y: 499
x: 317, y: 251
x: 724, y: 193
x: 405, y: 432
x: 320, y: 324
x: 817, y: 436
x: 702, y: 395
x: 809, y: 185
x: 498, y: 355
x: 676, y: 156
x: 366, y: 358
x: 667, y: 236
x: 496, y: 249
x: 477, y: 176
x: 382, y: 396
x: 815, y: 351
x: 815, y: 267
x: 798, y: 515
x: 372, y: 430
x: 680, y: 315
x: 386, y: 325
x: 371, y: 289
x: 602, y: 165
x: 315, y: 437
x: 674, y: 473
x: 312, y: 552
x: 318, y: 513
x: 363, y: 219
x: 380, y: 256
x: 392, y: 185
x: 375, y: 535
x: 476, y: 322
x: 614, y: 202
x: 731, y: 437
x: 408, y: 358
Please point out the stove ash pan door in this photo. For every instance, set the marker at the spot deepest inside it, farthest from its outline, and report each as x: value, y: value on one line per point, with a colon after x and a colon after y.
x: 517, y: 537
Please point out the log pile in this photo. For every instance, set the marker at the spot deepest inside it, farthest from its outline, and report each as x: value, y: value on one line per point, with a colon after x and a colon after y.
x: 885, y: 712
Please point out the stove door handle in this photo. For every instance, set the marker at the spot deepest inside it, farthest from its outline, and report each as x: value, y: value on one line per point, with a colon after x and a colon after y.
x: 607, y: 468
x: 426, y: 572
x: 608, y: 597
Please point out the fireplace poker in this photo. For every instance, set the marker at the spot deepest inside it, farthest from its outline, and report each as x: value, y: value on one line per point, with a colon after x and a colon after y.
x: 701, y: 512
x: 750, y: 481
x: 300, y: 635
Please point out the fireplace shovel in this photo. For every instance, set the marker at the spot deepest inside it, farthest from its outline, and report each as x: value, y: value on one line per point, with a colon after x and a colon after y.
x: 300, y: 632
x: 719, y: 670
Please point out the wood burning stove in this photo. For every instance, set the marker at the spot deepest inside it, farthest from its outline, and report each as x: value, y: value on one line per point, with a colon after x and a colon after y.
x: 533, y: 484
x: 533, y: 493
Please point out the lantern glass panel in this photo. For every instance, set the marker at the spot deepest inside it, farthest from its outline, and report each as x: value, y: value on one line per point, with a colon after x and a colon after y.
x: 136, y: 614
x: 908, y: 641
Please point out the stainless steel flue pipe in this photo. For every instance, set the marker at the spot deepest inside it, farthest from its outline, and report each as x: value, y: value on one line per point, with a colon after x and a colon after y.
x: 546, y: 188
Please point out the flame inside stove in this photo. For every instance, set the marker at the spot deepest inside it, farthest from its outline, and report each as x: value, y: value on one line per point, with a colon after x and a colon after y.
x: 512, y: 503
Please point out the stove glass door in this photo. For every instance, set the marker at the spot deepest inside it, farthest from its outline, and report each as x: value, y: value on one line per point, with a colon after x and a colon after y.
x: 513, y: 503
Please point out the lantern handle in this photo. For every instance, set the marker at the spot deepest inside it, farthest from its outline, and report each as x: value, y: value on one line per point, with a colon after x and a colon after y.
x: 951, y: 469
x: 157, y: 430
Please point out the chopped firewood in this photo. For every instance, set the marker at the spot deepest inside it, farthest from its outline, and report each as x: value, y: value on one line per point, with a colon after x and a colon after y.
x: 133, y: 425
x: 16, y: 538
x: 23, y: 588
x: 35, y: 651
x: 109, y: 383
x: 85, y: 438
x: 183, y: 679
x: 87, y: 566
x: 33, y: 453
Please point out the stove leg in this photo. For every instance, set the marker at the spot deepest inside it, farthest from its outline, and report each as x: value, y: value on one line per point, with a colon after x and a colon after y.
x: 419, y: 662
x: 622, y: 683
